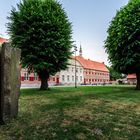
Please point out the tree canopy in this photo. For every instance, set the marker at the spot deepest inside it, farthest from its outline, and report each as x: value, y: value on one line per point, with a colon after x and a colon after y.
x: 41, y: 29
x: 123, y: 40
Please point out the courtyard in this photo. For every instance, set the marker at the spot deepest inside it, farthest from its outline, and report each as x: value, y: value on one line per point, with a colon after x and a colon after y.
x: 83, y: 113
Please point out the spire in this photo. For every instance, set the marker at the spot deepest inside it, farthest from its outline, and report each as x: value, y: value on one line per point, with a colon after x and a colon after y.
x: 80, y: 51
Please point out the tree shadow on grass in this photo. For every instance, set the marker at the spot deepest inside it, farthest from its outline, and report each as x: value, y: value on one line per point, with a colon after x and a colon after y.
x: 50, y: 121
x: 62, y: 103
x: 35, y: 91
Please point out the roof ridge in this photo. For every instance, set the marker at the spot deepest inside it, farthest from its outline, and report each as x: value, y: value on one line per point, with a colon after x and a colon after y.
x: 94, y: 61
x: 90, y: 64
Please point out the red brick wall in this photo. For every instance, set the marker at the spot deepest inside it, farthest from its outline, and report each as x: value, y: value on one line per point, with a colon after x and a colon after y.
x: 95, y: 77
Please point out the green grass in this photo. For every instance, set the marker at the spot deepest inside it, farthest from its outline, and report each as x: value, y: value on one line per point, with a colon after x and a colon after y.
x: 85, y: 113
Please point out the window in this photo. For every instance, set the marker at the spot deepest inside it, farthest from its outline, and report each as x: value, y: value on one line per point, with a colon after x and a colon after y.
x: 35, y: 76
x: 63, y: 78
x: 68, y: 78
x: 26, y: 76
x: 72, y: 69
x: 72, y: 78
x: 76, y: 78
x: 80, y: 78
x: 80, y: 70
x: 77, y: 70
x: 53, y: 79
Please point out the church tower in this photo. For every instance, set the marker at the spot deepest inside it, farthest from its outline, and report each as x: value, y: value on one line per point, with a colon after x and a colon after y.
x: 80, y: 51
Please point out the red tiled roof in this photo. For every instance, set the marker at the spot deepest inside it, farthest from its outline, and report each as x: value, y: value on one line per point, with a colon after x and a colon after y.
x: 89, y: 64
x: 131, y: 76
x: 2, y: 40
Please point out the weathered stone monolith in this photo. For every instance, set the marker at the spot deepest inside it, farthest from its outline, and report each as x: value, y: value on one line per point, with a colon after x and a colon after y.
x: 10, y: 82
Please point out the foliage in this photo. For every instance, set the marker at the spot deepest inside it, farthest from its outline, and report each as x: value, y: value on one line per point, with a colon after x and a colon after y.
x: 114, y: 74
x: 96, y: 112
x: 40, y: 28
x: 123, y: 41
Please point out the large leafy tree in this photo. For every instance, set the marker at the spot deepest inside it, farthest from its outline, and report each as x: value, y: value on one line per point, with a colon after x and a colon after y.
x: 123, y: 41
x: 41, y: 29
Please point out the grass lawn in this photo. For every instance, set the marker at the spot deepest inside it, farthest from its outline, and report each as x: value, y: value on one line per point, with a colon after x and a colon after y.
x: 85, y: 113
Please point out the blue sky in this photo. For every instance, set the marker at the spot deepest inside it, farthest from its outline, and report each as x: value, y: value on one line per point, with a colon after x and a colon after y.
x: 90, y: 20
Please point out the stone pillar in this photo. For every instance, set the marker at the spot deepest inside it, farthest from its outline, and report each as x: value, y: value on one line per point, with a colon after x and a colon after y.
x: 1, y: 96
x: 10, y: 82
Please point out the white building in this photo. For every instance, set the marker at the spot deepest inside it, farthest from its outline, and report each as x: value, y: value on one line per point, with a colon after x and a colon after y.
x: 67, y: 76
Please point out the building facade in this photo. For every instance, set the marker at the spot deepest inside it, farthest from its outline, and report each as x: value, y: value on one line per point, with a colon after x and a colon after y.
x: 131, y: 79
x: 28, y: 80
x: 64, y: 77
x: 2, y: 40
x: 74, y: 73
x: 80, y: 71
x: 94, y: 72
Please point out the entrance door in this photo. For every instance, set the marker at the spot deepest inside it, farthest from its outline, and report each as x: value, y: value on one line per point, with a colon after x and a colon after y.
x: 57, y: 80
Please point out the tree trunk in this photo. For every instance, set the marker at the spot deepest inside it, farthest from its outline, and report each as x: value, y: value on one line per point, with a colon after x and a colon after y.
x: 138, y: 81
x: 43, y: 75
x: 44, y: 84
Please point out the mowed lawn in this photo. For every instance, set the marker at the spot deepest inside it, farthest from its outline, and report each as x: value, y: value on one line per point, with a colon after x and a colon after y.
x: 85, y: 113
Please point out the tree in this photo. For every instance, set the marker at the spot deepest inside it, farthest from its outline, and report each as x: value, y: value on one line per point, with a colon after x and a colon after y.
x: 41, y: 29
x: 114, y: 75
x: 123, y: 40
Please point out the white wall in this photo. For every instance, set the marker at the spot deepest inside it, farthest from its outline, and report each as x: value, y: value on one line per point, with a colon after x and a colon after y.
x: 68, y: 76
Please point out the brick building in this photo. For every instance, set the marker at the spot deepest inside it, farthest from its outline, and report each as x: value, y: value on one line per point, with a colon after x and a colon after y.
x: 64, y: 77
x: 94, y: 72
x: 131, y: 79
x: 2, y: 40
